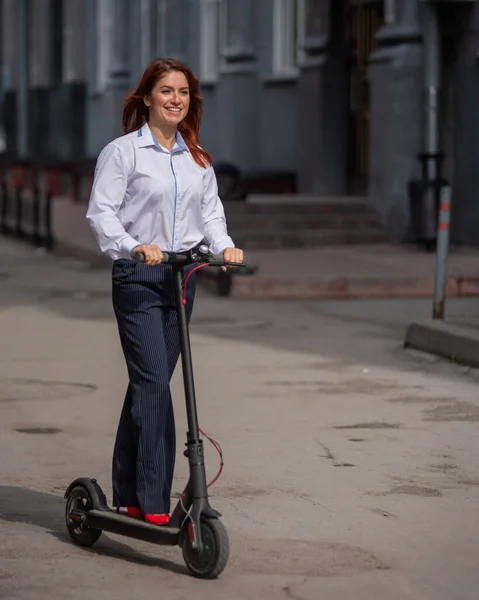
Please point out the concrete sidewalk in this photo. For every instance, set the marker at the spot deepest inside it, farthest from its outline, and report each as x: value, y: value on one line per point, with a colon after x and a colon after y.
x: 349, y: 465
x: 347, y: 271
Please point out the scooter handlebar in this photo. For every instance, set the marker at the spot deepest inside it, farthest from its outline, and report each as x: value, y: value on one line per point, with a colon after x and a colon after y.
x: 174, y: 258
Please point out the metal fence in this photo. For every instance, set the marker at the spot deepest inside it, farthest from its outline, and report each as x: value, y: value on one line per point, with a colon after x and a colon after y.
x: 27, y: 190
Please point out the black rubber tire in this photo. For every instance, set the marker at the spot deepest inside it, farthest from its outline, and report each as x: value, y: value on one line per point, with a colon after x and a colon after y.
x: 210, y: 563
x: 80, y: 534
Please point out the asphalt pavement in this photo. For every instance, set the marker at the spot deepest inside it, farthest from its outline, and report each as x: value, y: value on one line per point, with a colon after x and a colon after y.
x: 350, y: 462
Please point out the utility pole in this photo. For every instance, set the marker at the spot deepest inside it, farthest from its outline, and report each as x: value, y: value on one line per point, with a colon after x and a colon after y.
x: 432, y: 72
x: 440, y: 195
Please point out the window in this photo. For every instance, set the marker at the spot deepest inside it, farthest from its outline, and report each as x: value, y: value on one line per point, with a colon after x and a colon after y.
x: 162, y: 10
x: 145, y: 33
x: 8, y: 45
x: 288, y: 36
x: 104, y: 27
x: 73, y: 42
x: 212, y: 38
x: 40, y: 37
x: 56, y: 40
x: 317, y: 19
x: 389, y: 11
x: 316, y: 34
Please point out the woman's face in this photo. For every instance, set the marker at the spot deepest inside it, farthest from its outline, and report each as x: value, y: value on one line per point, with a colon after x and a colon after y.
x: 169, y: 100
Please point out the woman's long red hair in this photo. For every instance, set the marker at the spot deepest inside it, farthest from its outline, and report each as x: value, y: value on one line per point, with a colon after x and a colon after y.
x: 135, y: 112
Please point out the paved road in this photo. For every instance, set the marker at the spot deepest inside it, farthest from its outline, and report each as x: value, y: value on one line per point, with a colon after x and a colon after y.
x: 351, y: 465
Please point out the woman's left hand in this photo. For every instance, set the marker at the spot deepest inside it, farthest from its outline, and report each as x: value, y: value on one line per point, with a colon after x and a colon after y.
x: 232, y: 255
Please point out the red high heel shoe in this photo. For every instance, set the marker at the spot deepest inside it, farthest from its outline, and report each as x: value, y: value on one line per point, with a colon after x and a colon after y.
x: 134, y: 511
x: 157, y: 519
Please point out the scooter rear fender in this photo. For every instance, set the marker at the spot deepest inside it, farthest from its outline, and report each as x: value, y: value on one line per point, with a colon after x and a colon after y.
x: 94, y: 491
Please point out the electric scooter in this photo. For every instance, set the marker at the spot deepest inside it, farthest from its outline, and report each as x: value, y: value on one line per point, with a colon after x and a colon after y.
x: 194, y: 525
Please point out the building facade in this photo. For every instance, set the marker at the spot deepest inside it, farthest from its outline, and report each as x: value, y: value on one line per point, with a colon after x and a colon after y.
x: 330, y: 90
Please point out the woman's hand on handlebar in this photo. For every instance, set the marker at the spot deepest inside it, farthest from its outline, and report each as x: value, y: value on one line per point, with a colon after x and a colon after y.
x: 232, y: 255
x: 152, y: 252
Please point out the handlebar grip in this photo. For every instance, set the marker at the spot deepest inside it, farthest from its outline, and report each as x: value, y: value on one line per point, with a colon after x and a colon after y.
x: 167, y: 257
x: 140, y: 257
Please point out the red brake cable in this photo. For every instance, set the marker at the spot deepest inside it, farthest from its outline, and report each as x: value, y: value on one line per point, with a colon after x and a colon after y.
x: 188, y: 276
x: 220, y: 452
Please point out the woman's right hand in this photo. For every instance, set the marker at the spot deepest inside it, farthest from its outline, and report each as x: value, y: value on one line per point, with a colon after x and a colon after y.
x: 153, y: 254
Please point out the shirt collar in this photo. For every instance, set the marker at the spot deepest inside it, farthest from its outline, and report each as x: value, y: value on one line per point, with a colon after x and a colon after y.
x: 146, y: 138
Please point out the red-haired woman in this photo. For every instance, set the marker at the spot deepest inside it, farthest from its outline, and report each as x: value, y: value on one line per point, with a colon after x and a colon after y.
x: 154, y: 189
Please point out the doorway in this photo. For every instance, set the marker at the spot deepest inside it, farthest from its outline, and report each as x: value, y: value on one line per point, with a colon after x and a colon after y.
x: 364, y: 19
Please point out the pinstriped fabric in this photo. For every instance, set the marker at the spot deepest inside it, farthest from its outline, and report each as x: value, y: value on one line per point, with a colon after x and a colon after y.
x: 145, y: 446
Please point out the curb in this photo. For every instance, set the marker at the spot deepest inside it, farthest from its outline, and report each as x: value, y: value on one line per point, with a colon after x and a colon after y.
x: 257, y: 287
x: 446, y: 339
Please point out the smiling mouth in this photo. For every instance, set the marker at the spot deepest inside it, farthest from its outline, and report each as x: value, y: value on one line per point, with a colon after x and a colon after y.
x: 174, y: 110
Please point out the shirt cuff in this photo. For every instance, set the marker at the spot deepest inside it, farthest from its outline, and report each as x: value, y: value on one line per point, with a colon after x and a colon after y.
x: 127, y: 245
x: 220, y: 245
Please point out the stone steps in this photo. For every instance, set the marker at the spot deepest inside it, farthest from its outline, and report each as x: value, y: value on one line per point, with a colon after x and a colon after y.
x: 300, y: 208
x: 305, y: 224
x: 294, y: 222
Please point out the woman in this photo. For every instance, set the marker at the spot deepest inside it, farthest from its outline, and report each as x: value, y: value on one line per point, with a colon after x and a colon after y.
x: 154, y: 189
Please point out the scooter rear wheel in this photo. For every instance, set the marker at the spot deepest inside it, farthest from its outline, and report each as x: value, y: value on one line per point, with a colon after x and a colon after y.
x: 210, y: 562
x: 79, y: 499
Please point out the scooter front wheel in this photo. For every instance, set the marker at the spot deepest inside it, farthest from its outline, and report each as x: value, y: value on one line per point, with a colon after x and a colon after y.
x: 79, y: 499
x: 210, y: 562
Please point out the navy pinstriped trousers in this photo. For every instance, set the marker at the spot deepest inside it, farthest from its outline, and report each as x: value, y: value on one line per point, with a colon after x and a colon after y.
x: 145, y: 447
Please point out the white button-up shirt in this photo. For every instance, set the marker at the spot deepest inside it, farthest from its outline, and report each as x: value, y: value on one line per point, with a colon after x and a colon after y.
x: 144, y: 194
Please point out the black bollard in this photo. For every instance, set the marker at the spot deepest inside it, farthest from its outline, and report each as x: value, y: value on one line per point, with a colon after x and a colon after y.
x: 2, y: 206
x: 49, y: 241
x: 5, y: 227
x: 19, y: 231
x: 37, y: 236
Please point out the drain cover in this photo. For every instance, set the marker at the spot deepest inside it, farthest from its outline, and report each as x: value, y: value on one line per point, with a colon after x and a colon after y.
x: 38, y: 430
x: 39, y: 389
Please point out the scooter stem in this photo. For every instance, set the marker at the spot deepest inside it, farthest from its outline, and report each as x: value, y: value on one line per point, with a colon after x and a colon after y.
x: 195, y: 495
x: 185, y: 348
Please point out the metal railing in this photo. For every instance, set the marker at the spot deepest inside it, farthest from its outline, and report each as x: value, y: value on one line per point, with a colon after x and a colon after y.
x: 27, y: 189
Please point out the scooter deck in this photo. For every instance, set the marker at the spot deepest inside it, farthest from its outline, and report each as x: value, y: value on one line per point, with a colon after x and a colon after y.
x: 122, y: 524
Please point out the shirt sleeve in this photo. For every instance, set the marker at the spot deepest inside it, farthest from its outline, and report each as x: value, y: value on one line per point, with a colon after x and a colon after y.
x: 106, y: 198
x: 214, y: 220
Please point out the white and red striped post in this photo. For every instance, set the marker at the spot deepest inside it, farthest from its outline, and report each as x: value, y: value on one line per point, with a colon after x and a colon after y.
x: 442, y: 249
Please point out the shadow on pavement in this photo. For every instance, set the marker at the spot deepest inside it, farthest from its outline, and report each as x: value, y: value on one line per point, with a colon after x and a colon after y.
x: 21, y: 505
